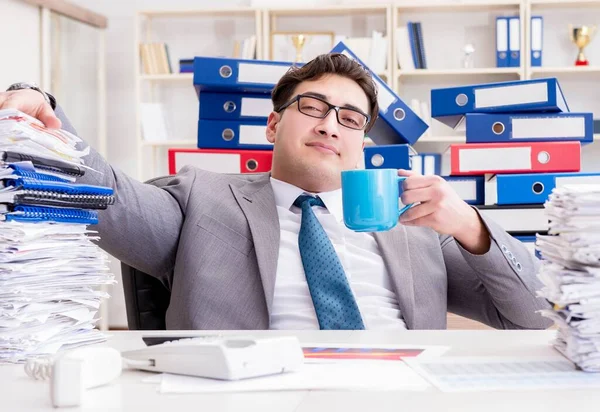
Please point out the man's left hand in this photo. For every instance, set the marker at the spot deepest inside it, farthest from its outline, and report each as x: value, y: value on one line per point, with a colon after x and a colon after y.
x: 441, y: 209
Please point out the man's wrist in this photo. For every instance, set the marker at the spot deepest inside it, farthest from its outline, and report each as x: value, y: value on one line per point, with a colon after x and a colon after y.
x: 475, y: 237
x: 25, y: 85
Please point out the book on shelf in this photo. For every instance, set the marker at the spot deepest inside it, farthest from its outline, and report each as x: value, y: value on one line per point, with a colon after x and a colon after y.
x: 155, y: 58
x: 410, y: 48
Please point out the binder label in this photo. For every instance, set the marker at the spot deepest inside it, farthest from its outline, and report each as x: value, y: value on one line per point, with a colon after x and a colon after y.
x: 511, y: 95
x: 260, y: 73
x: 256, y: 107
x: 509, y: 158
x: 548, y: 127
x: 253, y: 135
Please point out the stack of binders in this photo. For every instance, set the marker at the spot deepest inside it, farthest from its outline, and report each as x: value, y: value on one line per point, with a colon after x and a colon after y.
x: 235, y: 103
x: 521, y: 142
x: 396, y: 129
x: 51, y: 273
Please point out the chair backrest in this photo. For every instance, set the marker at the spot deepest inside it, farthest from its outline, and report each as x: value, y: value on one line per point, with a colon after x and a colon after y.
x: 146, y: 300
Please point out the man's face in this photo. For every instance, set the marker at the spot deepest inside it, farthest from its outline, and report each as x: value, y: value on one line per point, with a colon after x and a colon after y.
x: 311, y: 153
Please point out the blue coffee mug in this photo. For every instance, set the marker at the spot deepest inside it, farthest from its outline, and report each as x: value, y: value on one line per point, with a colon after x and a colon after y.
x: 370, y: 199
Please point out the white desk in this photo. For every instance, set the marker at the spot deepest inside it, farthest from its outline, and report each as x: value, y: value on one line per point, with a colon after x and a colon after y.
x: 21, y: 393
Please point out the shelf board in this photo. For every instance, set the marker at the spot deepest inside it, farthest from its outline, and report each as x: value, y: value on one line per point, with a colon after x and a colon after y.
x: 171, y: 143
x: 168, y: 77
x: 459, y: 72
x: 328, y: 10
x: 230, y: 11
x: 463, y: 5
x: 565, y: 3
x: 568, y: 69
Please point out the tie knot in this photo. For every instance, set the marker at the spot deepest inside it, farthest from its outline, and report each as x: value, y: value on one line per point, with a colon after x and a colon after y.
x: 309, y: 200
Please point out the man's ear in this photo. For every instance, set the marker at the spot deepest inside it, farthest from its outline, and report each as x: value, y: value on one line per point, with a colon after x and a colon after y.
x: 272, y: 123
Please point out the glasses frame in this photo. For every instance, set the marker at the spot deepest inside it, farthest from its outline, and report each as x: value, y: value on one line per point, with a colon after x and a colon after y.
x: 330, y: 107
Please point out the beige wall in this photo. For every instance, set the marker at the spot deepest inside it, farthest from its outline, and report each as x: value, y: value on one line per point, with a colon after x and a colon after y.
x: 19, y: 55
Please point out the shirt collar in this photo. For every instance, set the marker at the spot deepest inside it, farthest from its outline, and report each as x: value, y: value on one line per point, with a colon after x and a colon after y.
x: 286, y: 194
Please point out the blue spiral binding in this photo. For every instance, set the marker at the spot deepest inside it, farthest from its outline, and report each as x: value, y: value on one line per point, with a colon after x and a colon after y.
x: 59, y: 187
x: 49, y: 214
x: 19, y: 171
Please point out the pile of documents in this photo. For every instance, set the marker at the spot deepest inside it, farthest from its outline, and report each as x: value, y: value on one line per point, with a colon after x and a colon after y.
x: 570, y: 272
x: 51, y: 273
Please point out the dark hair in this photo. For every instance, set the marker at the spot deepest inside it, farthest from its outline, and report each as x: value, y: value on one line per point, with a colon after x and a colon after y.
x: 332, y: 63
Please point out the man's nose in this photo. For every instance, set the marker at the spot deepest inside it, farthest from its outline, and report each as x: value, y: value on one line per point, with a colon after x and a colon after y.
x: 329, y: 126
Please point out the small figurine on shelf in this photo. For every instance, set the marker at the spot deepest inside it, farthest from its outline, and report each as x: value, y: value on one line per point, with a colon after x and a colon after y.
x: 468, y: 50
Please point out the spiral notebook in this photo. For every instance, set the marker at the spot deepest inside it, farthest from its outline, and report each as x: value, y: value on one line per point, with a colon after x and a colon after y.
x: 34, y: 189
x: 46, y: 214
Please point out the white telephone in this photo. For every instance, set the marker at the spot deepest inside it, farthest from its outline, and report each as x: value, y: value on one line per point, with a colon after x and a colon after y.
x: 222, y: 358
x: 74, y: 371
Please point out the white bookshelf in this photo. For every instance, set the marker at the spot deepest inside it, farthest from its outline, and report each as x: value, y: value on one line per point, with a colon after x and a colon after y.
x: 447, y: 26
x: 180, y: 29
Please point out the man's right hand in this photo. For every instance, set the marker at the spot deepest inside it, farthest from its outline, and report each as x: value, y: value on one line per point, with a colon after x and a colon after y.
x: 30, y: 102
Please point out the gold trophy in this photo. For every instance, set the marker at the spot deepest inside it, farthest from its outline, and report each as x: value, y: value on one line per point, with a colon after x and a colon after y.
x: 299, y: 40
x: 582, y: 36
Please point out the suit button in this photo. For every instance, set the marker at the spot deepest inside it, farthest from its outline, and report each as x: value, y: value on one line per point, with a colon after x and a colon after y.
x: 519, y: 267
x: 504, y: 248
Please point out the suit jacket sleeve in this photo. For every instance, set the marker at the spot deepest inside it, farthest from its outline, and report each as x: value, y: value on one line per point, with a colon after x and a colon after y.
x: 497, y: 288
x: 142, y: 227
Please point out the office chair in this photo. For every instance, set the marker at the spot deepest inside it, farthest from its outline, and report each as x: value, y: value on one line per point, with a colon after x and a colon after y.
x: 146, y: 300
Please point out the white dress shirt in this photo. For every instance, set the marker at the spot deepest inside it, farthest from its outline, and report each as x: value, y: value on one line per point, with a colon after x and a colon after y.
x: 359, y: 254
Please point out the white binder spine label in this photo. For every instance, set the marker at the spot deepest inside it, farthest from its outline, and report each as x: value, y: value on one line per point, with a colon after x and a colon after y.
x: 515, y: 30
x: 502, y: 35
x: 429, y: 165
x: 548, y: 127
x: 260, y: 73
x: 513, y: 158
x: 256, y: 107
x: 466, y: 189
x: 253, y: 135
x: 212, y: 162
x: 511, y: 95
x: 575, y: 180
x: 536, y: 33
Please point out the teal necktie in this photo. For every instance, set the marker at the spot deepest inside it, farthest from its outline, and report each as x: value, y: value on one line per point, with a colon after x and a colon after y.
x: 329, y: 288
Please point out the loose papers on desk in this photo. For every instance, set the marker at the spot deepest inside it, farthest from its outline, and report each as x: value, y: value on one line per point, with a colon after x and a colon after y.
x: 51, y: 272
x: 571, y: 272
x: 469, y: 374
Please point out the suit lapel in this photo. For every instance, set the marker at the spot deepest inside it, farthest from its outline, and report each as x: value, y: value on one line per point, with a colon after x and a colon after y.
x: 393, y: 245
x: 257, y: 201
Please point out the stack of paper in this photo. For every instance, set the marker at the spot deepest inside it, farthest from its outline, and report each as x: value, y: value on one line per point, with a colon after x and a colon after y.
x: 50, y: 269
x: 571, y: 272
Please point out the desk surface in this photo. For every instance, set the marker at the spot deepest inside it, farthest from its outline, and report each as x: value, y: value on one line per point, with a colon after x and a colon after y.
x: 21, y: 393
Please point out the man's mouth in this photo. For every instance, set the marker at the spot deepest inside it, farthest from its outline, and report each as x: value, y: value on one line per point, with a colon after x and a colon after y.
x: 323, y: 147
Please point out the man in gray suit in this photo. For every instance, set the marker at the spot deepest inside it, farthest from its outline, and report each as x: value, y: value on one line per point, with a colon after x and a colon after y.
x: 271, y: 250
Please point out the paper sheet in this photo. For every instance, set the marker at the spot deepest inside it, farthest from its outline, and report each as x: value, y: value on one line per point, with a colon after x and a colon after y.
x: 368, y: 376
x: 466, y: 374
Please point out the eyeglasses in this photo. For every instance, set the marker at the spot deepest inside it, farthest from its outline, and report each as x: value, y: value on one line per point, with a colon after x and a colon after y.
x: 319, y: 108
